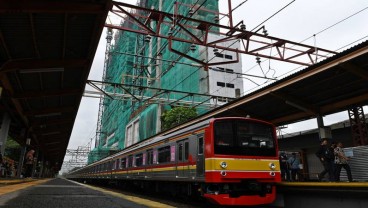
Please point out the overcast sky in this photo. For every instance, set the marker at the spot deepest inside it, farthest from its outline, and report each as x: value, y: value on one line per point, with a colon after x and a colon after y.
x: 297, y: 22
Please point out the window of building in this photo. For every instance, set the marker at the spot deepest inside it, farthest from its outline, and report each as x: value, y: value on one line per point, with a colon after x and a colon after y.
x: 164, y: 154
x: 221, y: 84
x: 220, y: 55
x: 221, y: 99
x: 228, y: 56
x: 132, y: 133
x: 229, y: 85
x: 136, y: 132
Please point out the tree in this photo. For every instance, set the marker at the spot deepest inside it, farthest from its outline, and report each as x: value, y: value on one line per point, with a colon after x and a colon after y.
x: 176, y: 116
x: 12, y: 149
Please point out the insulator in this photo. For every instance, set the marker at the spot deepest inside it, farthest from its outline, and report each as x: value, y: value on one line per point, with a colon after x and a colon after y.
x: 193, y: 47
x: 242, y: 26
x: 170, y: 33
x: 147, y: 38
x: 191, y: 12
x: 258, y: 60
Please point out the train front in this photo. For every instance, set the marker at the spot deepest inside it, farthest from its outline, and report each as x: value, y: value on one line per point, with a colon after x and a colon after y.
x: 241, y: 165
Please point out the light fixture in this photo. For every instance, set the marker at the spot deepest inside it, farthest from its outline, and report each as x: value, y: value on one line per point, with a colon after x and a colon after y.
x: 216, y: 19
x: 50, y: 133
x: 272, y: 166
x: 191, y: 12
x: 47, y: 115
x: 223, y: 165
x: 52, y: 143
x: 41, y: 70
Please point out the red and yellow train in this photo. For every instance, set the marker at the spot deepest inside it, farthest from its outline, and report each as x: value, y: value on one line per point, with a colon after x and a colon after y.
x: 229, y: 161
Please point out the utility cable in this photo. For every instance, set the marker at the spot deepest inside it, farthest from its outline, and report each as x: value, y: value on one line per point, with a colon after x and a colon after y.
x: 333, y: 25
x: 273, y: 15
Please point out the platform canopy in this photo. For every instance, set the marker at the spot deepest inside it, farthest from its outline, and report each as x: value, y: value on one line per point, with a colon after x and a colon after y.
x: 46, y: 52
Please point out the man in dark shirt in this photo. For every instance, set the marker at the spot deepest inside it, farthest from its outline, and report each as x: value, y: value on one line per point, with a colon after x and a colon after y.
x: 284, y: 167
x: 322, y: 154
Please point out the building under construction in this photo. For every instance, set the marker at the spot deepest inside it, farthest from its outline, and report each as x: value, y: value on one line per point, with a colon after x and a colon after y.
x: 145, y: 76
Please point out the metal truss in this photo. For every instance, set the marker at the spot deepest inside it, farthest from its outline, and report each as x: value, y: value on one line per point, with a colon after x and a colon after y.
x: 197, y: 31
x: 160, y: 96
x: 358, y: 126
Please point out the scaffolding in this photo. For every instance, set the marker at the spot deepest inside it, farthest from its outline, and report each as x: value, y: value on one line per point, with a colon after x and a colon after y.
x: 160, y: 59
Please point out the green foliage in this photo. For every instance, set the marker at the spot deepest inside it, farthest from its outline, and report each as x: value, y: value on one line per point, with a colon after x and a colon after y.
x: 12, y: 149
x: 176, y: 116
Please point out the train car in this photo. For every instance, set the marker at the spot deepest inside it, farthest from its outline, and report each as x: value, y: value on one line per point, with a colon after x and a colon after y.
x: 228, y: 161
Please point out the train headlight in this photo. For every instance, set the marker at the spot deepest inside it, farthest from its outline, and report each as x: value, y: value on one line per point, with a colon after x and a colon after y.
x: 272, y: 166
x: 223, y: 165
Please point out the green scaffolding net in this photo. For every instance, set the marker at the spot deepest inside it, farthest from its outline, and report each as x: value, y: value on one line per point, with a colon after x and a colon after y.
x: 134, y: 60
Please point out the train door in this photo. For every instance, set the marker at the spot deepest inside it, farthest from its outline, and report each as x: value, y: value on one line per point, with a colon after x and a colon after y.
x: 182, y: 166
x: 200, y: 156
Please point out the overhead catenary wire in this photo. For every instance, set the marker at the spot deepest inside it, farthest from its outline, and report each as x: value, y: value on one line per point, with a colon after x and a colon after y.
x: 321, y: 31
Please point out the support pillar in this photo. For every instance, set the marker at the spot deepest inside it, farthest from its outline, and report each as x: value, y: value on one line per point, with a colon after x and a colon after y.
x: 358, y: 126
x: 324, y: 132
x: 4, y: 130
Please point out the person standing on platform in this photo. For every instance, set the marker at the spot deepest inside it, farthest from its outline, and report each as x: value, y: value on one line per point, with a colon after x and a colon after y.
x: 341, y: 161
x: 1, y: 164
x: 29, y: 163
x: 331, y: 161
x: 284, y: 167
x: 294, y: 163
x: 322, y: 154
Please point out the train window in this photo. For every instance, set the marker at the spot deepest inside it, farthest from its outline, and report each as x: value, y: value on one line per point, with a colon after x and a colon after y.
x: 164, y: 154
x: 240, y: 137
x: 224, y: 134
x: 116, y: 164
x: 123, y: 163
x: 149, y: 157
x: 130, y: 161
x: 200, y: 145
x: 138, y: 160
x: 186, y: 150
x: 180, y: 151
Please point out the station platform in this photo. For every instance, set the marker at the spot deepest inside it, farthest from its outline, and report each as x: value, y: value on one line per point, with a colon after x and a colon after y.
x: 63, y: 193
x: 322, y: 194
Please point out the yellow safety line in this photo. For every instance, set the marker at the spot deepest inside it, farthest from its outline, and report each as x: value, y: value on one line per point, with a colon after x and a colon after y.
x: 138, y: 200
x: 16, y: 187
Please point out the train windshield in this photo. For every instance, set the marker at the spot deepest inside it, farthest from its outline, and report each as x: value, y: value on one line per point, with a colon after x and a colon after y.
x: 244, y: 137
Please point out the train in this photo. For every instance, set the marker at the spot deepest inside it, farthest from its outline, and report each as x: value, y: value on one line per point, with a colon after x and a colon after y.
x: 228, y: 161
